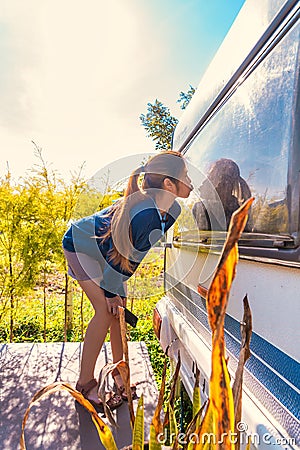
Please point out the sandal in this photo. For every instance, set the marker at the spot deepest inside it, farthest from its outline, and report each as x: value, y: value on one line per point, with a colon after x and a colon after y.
x: 120, y: 388
x: 113, y: 402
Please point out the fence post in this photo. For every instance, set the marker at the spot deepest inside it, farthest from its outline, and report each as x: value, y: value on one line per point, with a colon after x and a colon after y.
x: 68, y: 307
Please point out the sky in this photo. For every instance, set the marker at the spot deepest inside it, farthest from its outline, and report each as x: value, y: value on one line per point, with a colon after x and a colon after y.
x: 75, y: 76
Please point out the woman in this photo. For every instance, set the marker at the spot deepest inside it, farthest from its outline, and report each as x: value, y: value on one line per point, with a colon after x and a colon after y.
x: 222, y: 193
x: 105, y: 249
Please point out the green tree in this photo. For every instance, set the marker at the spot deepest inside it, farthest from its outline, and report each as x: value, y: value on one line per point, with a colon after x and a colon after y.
x: 160, y: 124
x: 96, y: 195
x: 185, y: 97
x: 34, y: 214
x: 18, y: 221
x: 57, y: 204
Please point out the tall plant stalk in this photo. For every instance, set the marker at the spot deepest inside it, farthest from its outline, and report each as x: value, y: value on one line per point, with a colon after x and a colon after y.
x: 44, y: 306
x: 81, y: 315
x: 12, y: 301
x: 68, y: 325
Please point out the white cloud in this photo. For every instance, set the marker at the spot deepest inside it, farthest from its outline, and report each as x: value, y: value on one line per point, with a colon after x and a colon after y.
x: 71, y: 79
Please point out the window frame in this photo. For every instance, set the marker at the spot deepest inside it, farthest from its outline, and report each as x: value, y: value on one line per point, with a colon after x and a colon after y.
x: 279, y: 249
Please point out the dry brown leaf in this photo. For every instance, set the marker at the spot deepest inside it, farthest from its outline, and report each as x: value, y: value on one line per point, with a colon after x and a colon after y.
x: 126, y: 357
x: 105, y: 371
x: 104, y: 431
x: 246, y: 331
x: 221, y: 408
x: 156, y: 426
x: 218, y: 292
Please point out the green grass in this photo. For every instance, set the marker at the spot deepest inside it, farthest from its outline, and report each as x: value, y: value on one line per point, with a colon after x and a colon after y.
x: 144, y: 290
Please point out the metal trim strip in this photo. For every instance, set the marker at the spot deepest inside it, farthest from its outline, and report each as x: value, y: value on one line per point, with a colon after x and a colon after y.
x: 271, y: 375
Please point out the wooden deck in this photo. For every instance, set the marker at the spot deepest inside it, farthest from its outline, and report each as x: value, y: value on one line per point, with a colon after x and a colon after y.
x: 58, y: 422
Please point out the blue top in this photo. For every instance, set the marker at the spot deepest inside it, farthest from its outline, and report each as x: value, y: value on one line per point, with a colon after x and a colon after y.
x: 147, y: 227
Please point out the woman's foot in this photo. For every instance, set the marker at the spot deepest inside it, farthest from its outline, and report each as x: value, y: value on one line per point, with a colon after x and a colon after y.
x: 90, y: 392
x: 120, y: 388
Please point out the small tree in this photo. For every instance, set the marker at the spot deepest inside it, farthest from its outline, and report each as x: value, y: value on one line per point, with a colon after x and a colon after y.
x: 160, y: 124
x: 185, y: 97
x: 19, y: 221
x: 58, y: 201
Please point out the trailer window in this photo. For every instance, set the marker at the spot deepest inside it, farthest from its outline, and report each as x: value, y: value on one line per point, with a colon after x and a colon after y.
x: 244, y: 149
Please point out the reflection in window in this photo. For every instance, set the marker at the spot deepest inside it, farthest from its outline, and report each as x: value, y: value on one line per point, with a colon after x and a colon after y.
x: 222, y: 193
x: 252, y: 134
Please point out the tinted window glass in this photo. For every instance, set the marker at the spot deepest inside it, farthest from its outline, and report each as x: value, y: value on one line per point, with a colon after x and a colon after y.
x: 248, y: 27
x: 244, y: 149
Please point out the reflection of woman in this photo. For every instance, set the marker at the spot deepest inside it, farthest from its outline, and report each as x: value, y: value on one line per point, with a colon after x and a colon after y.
x: 224, y: 186
x: 105, y: 249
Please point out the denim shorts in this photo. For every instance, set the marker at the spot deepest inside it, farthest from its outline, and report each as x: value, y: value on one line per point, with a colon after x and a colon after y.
x: 82, y: 267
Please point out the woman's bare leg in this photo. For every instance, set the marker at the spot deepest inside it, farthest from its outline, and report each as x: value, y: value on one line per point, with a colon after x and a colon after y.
x: 116, y: 343
x: 96, y: 332
x: 116, y: 340
x: 115, y: 334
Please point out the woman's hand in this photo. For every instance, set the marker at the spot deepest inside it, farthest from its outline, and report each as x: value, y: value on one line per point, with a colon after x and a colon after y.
x: 113, y: 304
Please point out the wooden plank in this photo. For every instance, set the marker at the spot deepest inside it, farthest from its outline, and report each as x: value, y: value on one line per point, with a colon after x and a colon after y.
x: 58, y: 422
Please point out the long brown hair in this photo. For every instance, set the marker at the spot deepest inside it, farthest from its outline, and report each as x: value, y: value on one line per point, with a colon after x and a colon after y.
x: 167, y: 164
